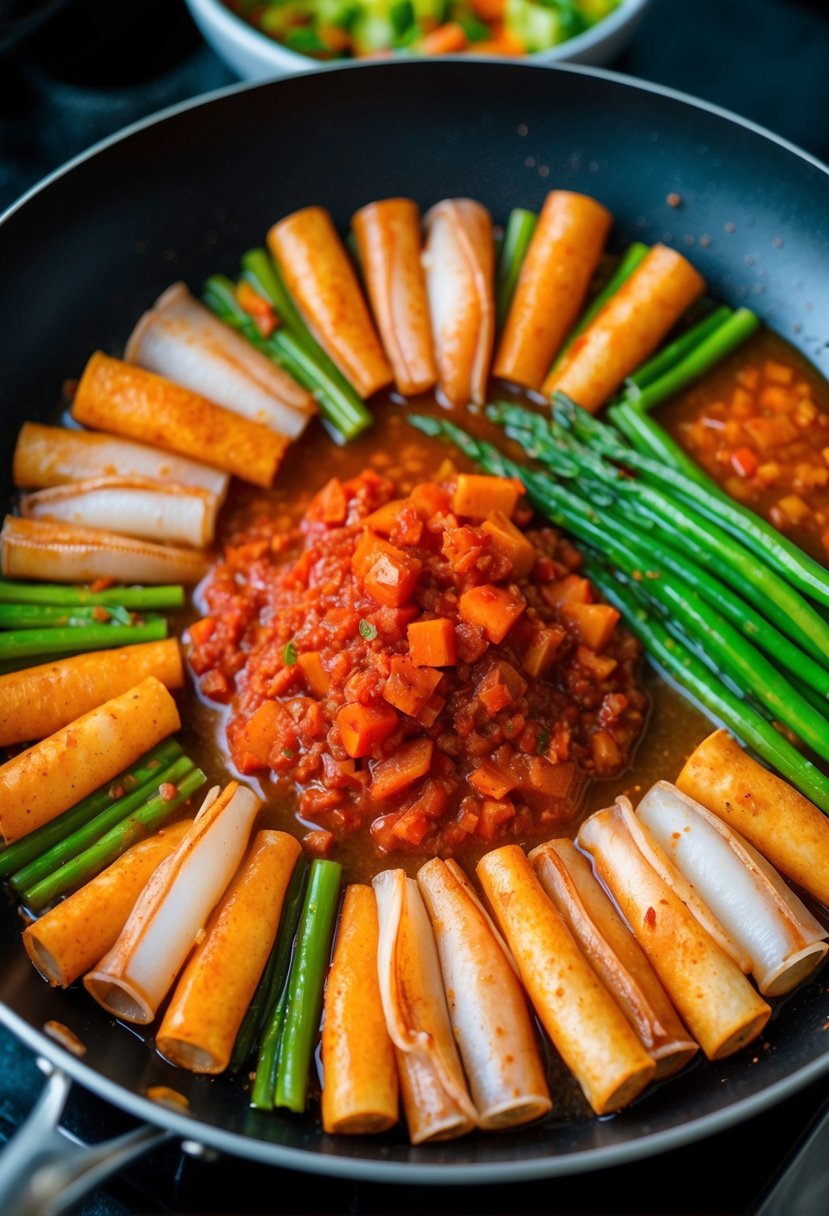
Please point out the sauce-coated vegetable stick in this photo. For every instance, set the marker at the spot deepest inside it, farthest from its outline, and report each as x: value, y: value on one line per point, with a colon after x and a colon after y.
x: 321, y: 278
x: 207, y: 1007
x: 782, y: 939
x: 587, y: 1027
x: 78, y: 841
x: 132, y: 506
x: 132, y: 979
x: 359, y: 1073
x: 25, y: 850
x: 46, y: 549
x: 562, y: 256
x: 780, y: 822
x: 628, y: 329
x: 39, y: 700
x: 487, y: 1006
x: 436, y: 1101
x: 715, y: 1000
x: 613, y: 951
x: 625, y: 267
x: 69, y: 939
x: 183, y: 340
x: 116, y: 396
x: 459, y: 259
x: 159, y: 809
x: 389, y: 242
x: 53, y: 775
x: 56, y: 456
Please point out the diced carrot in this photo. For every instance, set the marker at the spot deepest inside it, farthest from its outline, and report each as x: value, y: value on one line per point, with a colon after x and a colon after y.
x: 409, y: 687
x: 385, y: 518
x: 363, y: 726
x: 806, y: 412
x: 431, y: 711
x: 431, y: 499
x: 594, y: 623
x: 510, y: 542
x: 316, y: 677
x: 744, y: 462
x: 493, y: 609
x: 411, y: 827
x: 388, y: 574
x: 606, y: 756
x: 432, y: 643
x: 411, y: 761
x: 488, y: 10
x: 476, y: 496
x: 495, y: 698
x: 329, y: 505
x: 493, y: 814
x: 490, y: 780
x: 318, y: 843
x: 572, y: 589
x: 200, y: 631
x: 794, y: 508
x: 216, y: 686
x: 391, y: 580
x: 444, y: 40
x: 777, y: 373
x: 540, y: 775
x: 600, y: 665
x: 542, y: 650
x: 775, y: 397
x: 749, y: 377
x: 261, y: 730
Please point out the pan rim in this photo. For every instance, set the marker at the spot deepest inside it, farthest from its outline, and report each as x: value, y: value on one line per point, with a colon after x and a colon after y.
x: 636, y: 83
x: 330, y: 1164
x: 440, y: 1173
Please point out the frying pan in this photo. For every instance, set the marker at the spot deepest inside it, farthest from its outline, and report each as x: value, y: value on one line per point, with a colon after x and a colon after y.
x: 184, y: 195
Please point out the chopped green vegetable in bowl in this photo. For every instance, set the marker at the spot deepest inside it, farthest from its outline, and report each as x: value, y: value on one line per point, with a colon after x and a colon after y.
x: 346, y: 29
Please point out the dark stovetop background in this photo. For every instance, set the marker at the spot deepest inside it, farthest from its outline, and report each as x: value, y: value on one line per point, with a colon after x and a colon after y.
x: 91, y: 70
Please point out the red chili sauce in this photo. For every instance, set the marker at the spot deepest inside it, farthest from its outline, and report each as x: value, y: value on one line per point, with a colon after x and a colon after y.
x: 429, y: 670
x: 759, y: 425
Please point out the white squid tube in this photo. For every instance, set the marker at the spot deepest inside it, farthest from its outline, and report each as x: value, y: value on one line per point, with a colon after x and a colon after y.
x: 566, y: 876
x: 133, y: 978
x: 181, y: 339
x: 784, y: 942
x: 131, y: 506
x: 487, y: 1006
x: 712, y: 995
x: 435, y: 1097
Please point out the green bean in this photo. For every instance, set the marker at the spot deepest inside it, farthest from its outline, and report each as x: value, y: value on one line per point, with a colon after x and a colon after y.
x: 306, y: 982
x: 518, y: 233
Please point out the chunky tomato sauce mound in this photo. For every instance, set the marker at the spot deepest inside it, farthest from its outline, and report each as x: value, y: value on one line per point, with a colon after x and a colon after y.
x: 432, y: 670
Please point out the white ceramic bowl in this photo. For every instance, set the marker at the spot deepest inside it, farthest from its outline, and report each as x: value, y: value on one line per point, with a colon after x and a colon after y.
x: 254, y: 56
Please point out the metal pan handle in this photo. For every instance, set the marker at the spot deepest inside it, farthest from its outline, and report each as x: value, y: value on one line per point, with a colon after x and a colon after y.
x: 802, y: 1188
x: 43, y: 1171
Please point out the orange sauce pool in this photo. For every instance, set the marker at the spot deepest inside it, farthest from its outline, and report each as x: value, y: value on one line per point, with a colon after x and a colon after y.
x: 759, y: 425
x: 395, y: 449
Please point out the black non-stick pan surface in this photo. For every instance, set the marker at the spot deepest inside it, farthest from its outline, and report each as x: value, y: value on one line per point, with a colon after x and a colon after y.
x: 185, y: 195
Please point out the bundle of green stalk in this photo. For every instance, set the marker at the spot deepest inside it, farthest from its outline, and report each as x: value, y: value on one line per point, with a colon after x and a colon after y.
x: 54, y: 619
x: 280, y: 332
x: 282, y: 1021
x: 727, y: 607
x: 71, y: 849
